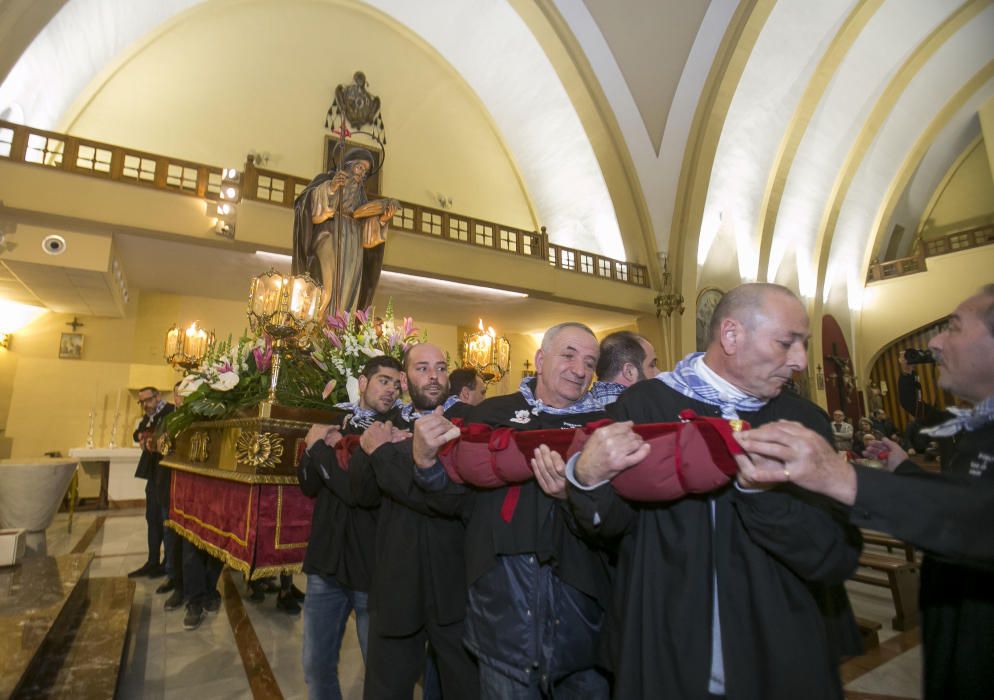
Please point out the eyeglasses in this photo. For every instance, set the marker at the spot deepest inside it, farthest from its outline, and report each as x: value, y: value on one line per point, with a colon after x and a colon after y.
x: 142, y: 402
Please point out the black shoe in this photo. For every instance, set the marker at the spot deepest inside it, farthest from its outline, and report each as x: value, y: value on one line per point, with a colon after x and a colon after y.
x: 174, y: 601
x: 297, y: 594
x: 145, y: 569
x: 195, y: 614
x: 286, y: 603
x: 166, y: 587
x: 213, y: 603
x: 257, y: 594
x: 156, y: 571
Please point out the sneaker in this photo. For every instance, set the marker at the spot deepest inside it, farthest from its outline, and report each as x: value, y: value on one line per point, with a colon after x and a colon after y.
x: 213, y: 603
x: 174, y: 601
x: 145, y: 569
x: 166, y: 587
x: 287, y: 603
x: 195, y: 614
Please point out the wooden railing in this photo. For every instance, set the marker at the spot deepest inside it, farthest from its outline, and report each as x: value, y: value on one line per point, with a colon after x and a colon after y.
x: 951, y: 243
x: 87, y: 157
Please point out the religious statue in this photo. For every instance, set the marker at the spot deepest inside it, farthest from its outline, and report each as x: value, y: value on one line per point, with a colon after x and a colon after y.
x: 339, y: 236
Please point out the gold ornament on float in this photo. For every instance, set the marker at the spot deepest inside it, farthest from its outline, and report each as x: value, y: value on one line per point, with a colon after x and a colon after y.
x: 165, y: 444
x: 487, y: 353
x: 257, y: 449
x: 198, y: 446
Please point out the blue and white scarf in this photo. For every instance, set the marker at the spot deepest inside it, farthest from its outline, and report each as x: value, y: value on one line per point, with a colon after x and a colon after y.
x: 964, y: 419
x: 358, y: 417
x: 606, y: 393
x: 689, y: 377
x: 411, y: 414
x: 586, y: 404
x: 450, y: 402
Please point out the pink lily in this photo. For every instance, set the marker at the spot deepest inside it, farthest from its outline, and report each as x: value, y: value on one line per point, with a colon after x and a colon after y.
x: 335, y: 340
x: 263, y: 358
x: 363, y: 315
x: 328, y: 388
x: 409, y: 328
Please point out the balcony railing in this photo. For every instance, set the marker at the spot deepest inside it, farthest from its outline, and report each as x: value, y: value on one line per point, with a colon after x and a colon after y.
x: 951, y: 243
x: 87, y: 157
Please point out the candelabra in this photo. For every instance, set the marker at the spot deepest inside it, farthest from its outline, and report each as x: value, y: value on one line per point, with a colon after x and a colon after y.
x: 185, y: 349
x: 487, y: 353
x: 285, y: 308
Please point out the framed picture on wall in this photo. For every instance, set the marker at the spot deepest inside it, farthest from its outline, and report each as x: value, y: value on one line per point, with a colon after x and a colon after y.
x: 331, y: 157
x: 706, y: 301
x: 71, y: 346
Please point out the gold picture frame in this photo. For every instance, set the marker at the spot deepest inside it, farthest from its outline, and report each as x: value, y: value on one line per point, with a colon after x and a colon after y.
x: 71, y: 346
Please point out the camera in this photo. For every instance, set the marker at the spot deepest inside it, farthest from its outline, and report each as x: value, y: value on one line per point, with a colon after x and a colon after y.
x: 914, y: 356
x: 54, y: 244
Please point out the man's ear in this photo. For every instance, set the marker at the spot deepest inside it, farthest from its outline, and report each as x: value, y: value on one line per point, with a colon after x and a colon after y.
x: 539, y: 357
x: 464, y: 394
x: 730, y: 335
x: 630, y: 372
x: 403, y: 381
x: 363, y: 383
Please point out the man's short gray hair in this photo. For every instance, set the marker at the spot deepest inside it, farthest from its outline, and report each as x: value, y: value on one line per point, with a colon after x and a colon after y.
x: 551, y: 334
x: 743, y: 303
x: 988, y: 315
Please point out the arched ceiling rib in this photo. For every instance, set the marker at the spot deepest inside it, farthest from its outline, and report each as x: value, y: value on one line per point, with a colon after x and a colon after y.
x: 874, y: 55
x: 765, y: 100
x: 658, y: 169
x: 951, y: 56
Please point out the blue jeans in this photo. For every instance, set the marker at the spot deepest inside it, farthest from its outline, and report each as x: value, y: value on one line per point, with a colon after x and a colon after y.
x: 201, y: 572
x: 589, y: 684
x: 326, y: 611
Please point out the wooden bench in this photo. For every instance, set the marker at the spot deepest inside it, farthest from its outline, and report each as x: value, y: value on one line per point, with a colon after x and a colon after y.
x: 891, y: 543
x: 901, y: 579
x: 868, y: 630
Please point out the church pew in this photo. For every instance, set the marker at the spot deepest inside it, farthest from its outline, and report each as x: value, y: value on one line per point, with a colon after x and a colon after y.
x: 891, y: 543
x: 901, y: 577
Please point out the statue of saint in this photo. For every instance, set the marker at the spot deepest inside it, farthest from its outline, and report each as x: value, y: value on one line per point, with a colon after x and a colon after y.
x: 339, y: 236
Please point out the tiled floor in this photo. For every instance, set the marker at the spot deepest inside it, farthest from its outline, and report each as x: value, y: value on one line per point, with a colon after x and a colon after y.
x: 164, y: 661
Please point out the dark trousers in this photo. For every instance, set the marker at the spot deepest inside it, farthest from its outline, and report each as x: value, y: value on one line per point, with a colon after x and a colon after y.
x: 200, y: 574
x: 394, y: 664
x: 173, y: 555
x: 153, y: 517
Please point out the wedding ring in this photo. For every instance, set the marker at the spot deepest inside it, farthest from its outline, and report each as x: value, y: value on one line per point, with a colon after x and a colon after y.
x: 786, y: 474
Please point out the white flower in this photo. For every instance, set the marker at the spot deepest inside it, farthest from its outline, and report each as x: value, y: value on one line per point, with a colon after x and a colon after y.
x: 371, y: 352
x: 352, y: 387
x: 190, y: 384
x: 225, y: 381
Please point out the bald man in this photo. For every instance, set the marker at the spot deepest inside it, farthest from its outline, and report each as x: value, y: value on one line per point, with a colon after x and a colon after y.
x: 726, y: 594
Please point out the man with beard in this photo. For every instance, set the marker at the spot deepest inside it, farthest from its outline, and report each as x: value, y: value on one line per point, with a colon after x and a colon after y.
x: 155, y: 412
x: 340, y: 551
x: 537, y: 591
x: 625, y: 358
x: 418, y: 592
x: 338, y: 235
x: 948, y: 514
x: 735, y: 593
x: 466, y: 389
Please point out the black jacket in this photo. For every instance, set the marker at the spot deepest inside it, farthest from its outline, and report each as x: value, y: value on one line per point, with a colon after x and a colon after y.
x: 149, y: 461
x: 949, y: 516
x: 780, y: 558
x: 537, y: 588
x: 342, y: 542
x: 420, y: 563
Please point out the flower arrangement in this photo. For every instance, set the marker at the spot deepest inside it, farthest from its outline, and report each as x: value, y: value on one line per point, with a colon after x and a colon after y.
x: 323, y: 372
x: 348, y: 341
x: 230, y: 377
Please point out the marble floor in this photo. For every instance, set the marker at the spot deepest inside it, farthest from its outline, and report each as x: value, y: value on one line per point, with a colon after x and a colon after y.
x: 164, y: 661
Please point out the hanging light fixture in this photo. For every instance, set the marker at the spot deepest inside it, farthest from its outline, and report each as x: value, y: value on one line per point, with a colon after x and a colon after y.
x: 487, y: 353
x: 186, y: 348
